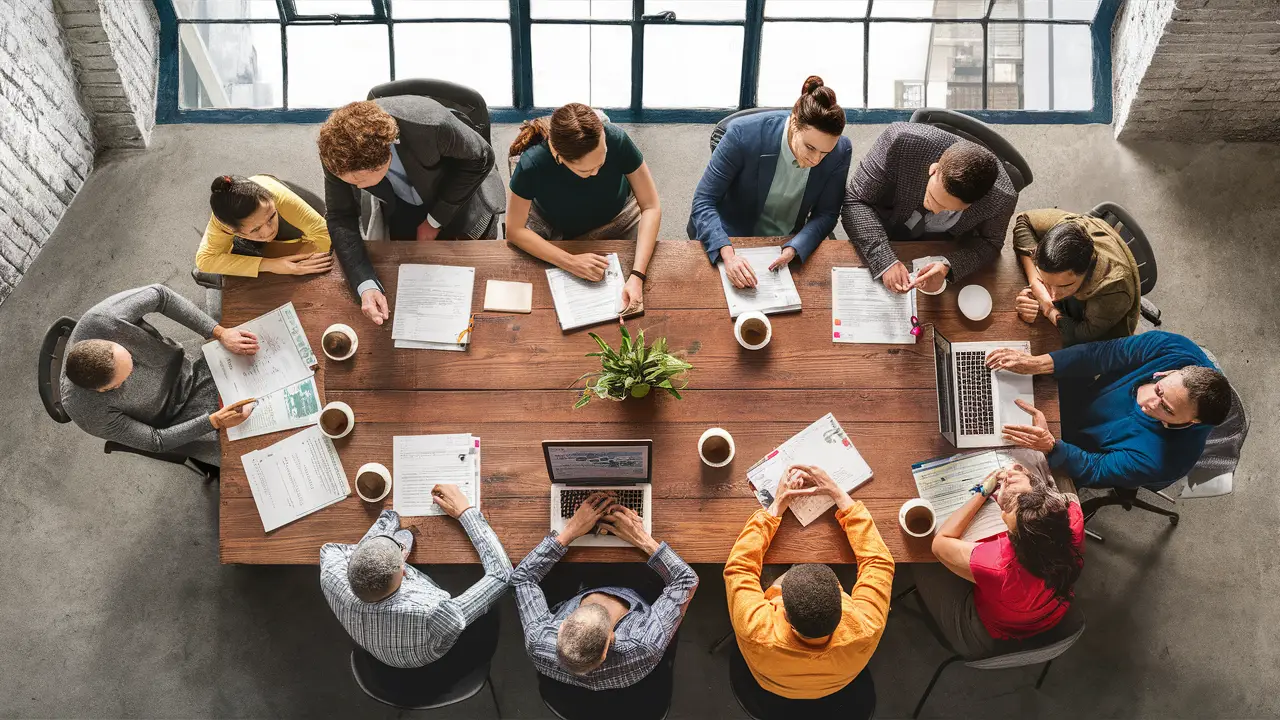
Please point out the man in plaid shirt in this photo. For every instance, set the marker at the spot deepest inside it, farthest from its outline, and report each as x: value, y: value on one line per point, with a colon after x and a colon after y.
x: 610, y: 637
x: 392, y: 609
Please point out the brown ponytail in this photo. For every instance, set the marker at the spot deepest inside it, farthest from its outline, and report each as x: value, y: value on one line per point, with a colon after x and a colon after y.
x: 817, y: 108
x: 574, y: 130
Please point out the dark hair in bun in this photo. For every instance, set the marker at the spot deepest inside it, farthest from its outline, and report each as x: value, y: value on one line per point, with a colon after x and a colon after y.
x: 233, y: 198
x: 817, y: 107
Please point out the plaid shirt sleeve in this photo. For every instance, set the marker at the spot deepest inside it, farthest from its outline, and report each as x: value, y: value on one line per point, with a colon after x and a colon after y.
x: 681, y: 583
x: 536, y: 618
x: 478, y: 598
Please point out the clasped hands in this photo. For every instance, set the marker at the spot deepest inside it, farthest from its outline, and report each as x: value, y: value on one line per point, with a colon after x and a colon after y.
x: 804, y: 480
x: 600, y: 512
x: 929, y: 279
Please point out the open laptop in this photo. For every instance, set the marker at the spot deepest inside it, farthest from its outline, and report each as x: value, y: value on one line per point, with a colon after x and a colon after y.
x: 578, y: 468
x: 974, y: 403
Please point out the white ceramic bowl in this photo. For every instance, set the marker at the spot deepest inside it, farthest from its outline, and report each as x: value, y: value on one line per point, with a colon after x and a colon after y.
x: 975, y: 302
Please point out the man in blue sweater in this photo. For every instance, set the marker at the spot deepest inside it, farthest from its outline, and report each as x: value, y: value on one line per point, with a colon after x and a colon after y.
x: 1135, y: 411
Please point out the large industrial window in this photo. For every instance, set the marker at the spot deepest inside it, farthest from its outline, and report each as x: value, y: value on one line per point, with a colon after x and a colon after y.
x: 643, y: 60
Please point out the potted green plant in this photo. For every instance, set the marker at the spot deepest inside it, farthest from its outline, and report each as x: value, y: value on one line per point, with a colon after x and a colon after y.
x: 633, y: 370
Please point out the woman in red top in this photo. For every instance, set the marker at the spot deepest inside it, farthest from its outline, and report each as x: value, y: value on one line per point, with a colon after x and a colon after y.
x: 1015, y: 585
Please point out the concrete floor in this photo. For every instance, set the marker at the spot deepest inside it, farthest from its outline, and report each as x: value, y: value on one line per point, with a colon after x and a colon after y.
x: 113, y: 603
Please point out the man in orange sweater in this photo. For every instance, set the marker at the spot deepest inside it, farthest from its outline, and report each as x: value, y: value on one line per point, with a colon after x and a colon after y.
x: 804, y: 638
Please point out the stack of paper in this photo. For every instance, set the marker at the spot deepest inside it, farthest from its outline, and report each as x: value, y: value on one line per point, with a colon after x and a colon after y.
x: 433, y: 307
x: 580, y: 303
x: 863, y: 310
x: 424, y: 461
x: 284, y: 358
x: 947, y: 482
x: 292, y: 407
x: 823, y: 444
x: 295, y: 477
x: 775, y: 290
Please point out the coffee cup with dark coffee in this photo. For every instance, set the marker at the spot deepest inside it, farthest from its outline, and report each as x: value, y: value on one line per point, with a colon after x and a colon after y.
x: 337, y: 419
x: 373, y: 482
x: 339, y: 342
x: 753, y: 330
x: 715, y: 447
x: 917, y: 517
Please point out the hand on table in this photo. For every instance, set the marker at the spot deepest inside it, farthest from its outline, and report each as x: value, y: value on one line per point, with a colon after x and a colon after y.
x: 626, y: 524
x: 789, y: 488
x: 1027, y: 305
x: 1036, y: 435
x: 737, y: 269
x: 896, y: 278
x: 585, y: 518
x: 823, y: 482
x: 233, y: 414
x: 931, y: 277
x: 374, y: 306
x: 301, y: 264
x: 788, y: 254
x: 240, y: 342
x: 588, y: 266
x: 450, y: 499
x: 427, y: 231
x: 632, y: 292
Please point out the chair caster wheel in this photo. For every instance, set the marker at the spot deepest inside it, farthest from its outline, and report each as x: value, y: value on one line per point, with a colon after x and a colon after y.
x: 1173, y: 520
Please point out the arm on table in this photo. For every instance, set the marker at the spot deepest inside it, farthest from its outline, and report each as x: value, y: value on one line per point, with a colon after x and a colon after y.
x: 749, y: 612
x: 874, y: 587
x: 947, y: 545
x: 646, y: 192
x: 724, y: 166
x: 478, y: 598
x: 826, y: 209
x: 680, y: 581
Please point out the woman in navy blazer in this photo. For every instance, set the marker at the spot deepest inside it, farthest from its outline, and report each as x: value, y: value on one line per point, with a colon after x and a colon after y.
x: 745, y: 189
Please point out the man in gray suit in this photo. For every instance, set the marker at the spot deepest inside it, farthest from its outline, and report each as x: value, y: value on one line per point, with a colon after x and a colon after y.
x: 921, y: 182
x: 434, y: 176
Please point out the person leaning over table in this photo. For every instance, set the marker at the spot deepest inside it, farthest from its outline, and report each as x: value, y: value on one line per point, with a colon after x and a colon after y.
x: 259, y: 225
x: 1082, y: 277
x: 803, y: 637
x: 395, y: 611
x: 123, y: 381
x: 580, y: 178
x: 434, y: 177
x: 774, y: 174
x: 922, y: 182
x: 1015, y: 585
x: 1136, y: 411
x: 610, y: 637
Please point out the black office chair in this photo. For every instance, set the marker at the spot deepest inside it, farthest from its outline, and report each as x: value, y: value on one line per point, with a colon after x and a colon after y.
x: 1042, y: 648
x: 49, y: 379
x: 454, y: 678
x: 855, y: 701
x: 467, y: 104
x: 649, y: 699
x: 722, y: 127
x: 1129, y: 231
x: 974, y: 130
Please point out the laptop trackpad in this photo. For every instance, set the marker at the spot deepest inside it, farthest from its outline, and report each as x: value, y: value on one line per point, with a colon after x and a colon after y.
x: 1010, y: 387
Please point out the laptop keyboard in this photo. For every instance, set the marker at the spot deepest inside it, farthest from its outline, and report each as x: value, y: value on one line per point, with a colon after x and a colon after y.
x: 570, y: 499
x: 974, y: 378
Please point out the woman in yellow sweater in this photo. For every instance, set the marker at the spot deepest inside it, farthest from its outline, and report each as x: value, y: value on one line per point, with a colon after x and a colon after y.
x: 260, y: 225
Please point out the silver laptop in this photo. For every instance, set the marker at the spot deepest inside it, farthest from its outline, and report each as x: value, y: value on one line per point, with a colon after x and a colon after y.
x: 578, y: 468
x: 974, y: 403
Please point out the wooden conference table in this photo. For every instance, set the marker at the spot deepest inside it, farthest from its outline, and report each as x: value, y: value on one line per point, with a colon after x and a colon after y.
x: 511, y: 388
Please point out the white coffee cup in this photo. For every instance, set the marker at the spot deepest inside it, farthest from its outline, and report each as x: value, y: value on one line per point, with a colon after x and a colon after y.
x: 345, y: 330
x: 913, y: 508
x: 377, y: 469
x: 345, y: 409
x: 748, y: 316
x: 975, y: 302
x: 716, y: 432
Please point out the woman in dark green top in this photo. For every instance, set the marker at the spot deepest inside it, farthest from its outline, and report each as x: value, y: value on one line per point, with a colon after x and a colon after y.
x: 579, y: 178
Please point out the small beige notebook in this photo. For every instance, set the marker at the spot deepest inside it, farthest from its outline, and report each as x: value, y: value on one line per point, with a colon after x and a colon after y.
x: 507, y: 296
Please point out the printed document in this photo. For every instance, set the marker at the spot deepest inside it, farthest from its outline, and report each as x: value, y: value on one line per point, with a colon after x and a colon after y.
x: 775, y: 290
x: 433, y: 304
x: 292, y: 407
x: 824, y: 444
x: 423, y: 461
x: 580, y: 303
x: 284, y: 358
x: 863, y: 310
x: 295, y: 477
x: 946, y: 483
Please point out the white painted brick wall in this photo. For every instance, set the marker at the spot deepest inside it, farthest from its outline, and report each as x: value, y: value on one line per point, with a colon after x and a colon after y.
x: 115, y: 47
x: 1198, y: 70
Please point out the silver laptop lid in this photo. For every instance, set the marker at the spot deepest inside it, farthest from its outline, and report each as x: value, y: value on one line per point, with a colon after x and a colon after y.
x: 599, y: 462
x: 945, y: 385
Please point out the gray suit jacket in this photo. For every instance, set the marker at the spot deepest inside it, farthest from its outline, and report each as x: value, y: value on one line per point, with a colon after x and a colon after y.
x: 889, y: 186
x: 450, y: 166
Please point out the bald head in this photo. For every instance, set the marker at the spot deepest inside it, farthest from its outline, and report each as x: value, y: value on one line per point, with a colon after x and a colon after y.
x: 584, y: 638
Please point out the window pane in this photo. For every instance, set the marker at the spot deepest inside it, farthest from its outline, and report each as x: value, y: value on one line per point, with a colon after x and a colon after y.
x: 581, y: 63
x: 333, y: 7
x: 1046, y: 9
x: 929, y: 8
x: 833, y: 51
x: 320, y: 76
x: 692, y: 66
x: 1056, y: 71
x: 955, y: 67
x: 221, y: 9
x: 451, y: 9
x: 581, y: 9
x: 699, y: 9
x: 224, y: 66
x: 815, y: 8
x: 896, y: 64
x: 477, y: 55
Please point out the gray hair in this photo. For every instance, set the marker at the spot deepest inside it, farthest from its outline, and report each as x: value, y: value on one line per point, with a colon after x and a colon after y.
x: 373, y: 567
x: 583, y: 638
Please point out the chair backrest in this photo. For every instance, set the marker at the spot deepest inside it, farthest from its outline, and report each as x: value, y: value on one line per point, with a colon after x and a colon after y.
x: 49, y: 375
x: 722, y: 127
x: 649, y: 699
x: 1133, y: 236
x: 464, y: 102
x: 974, y: 130
x: 1041, y: 648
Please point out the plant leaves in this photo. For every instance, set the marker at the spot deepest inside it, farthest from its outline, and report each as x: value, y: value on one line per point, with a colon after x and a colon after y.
x: 639, y: 390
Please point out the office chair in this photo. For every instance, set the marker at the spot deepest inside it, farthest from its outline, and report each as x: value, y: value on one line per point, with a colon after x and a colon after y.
x: 1129, y: 231
x: 974, y: 130
x: 48, y: 379
x: 454, y: 678
x: 1042, y: 648
x: 722, y: 127
x: 649, y: 699
x: 855, y: 701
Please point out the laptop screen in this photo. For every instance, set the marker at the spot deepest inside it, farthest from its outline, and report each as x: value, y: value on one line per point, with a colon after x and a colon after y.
x: 571, y: 461
x: 942, y: 368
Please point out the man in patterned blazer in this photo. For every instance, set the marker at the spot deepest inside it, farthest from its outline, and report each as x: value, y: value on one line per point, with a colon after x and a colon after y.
x: 921, y: 182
